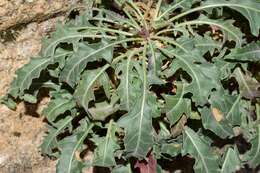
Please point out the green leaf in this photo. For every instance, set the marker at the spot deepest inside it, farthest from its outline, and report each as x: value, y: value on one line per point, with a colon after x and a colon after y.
x: 138, y: 127
x: 228, y: 105
x: 231, y: 161
x: 76, y: 64
x: 50, y: 141
x: 84, y: 92
x: 154, y: 65
x: 225, y: 68
x: 57, y: 107
x: 106, y: 147
x: 29, y: 98
x: 253, y: 155
x: 206, y: 44
x: 138, y: 122
x: 176, y: 105
x: 26, y: 74
x: 204, y: 75
x: 179, y: 4
x: 210, y: 121
x: 9, y: 102
x: 172, y: 149
x: 249, y: 9
x: 206, y: 161
x: 248, y: 86
x: 65, y: 34
x: 32, y: 70
x: 229, y: 31
x: 201, y: 44
x: 130, y: 84
x: 103, y: 109
x: 251, y: 52
x: 69, y: 146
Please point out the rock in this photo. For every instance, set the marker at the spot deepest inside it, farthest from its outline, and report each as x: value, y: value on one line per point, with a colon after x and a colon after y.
x: 16, y: 12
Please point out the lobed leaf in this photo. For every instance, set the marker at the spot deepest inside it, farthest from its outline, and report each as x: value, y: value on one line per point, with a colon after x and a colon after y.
x: 106, y: 147
x: 253, y: 155
x: 249, y: 9
x: 206, y: 161
x: 84, y: 92
x: 248, y: 86
x: 230, y: 32
x: 26, y: 74
x: 138, y: 122
x: 251, y: 52
x: 130, y: 84
x: 216, y: 122
x: 69, y: 146
x: 204, y: 75
x: 75, y: 65
x: 57, y: 107
x: 50, y: 142
x: 229, y: 106
x: 176, y: 105
x: 231, y: 161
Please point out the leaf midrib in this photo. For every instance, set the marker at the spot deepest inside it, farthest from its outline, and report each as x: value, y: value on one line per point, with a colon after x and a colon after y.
x: 29, y: 73
x: 179, y: 100
x: 200, y: 154
x: 143, y: 101
x: 225, y: 161
x: 210, y: 23
x: 56, y: 133
x: 233, y: 106
x: 77, y: 145
x: 107, y: 140
x: 91, y: 83
x: 56, y: 107
x: 244, y: 82
x: 74, y: 36
x: 97, y: 51
x: 211, y: 6
x: 258, y: 145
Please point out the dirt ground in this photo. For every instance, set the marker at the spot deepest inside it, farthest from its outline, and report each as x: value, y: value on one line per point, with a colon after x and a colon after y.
x: 22, y: 130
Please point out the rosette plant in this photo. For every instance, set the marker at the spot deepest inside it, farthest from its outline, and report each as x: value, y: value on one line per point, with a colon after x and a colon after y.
x: 145, y: 83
